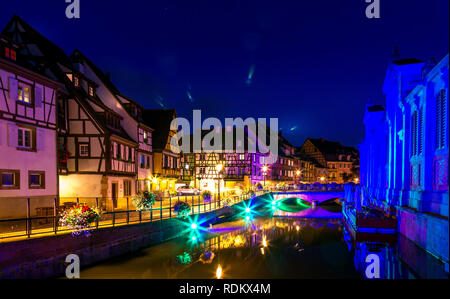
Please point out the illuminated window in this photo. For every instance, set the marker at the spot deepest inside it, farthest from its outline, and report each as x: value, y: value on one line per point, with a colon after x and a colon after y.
x: 91, y: 91
x: 76, y: 81
x: 70, y: 77
x: 84, y: 150
x: 24, y: 91
x: 24, y: 138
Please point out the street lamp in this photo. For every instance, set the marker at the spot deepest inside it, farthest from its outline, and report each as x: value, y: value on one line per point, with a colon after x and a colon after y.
x: 298, y: 172
x: 264, y: 169
x: 219, y: 168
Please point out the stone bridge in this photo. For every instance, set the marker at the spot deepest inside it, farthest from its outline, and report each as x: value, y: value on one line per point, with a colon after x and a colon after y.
x: 310, y: 196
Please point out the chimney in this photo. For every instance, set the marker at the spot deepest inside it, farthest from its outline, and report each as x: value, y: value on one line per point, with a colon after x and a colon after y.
x: 395, y: 54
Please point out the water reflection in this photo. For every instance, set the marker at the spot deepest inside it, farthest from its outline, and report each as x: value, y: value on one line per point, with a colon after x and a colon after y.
x: 269, y: 248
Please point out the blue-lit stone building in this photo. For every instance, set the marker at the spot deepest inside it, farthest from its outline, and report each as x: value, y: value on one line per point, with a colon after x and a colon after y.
x: 404, y: 156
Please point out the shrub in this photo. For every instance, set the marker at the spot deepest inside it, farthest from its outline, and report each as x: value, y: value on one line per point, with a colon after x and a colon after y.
x: 182, y: 209
x: 144, y: 201
x: 207, y: 257
x: 79, y: 218
x: 206, y: 195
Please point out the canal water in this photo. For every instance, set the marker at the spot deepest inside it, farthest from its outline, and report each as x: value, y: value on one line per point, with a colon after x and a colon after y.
x: 295, y: 241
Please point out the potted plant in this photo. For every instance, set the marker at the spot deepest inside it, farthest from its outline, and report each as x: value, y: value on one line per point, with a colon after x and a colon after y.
x: 144, y: 201
x: 206, y: 195
x: 182, y: 209
x: 79, y: 218
x: 207, y: 257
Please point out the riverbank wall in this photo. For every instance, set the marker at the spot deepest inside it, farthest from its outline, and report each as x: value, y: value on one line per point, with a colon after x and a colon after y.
x: 45, y: 257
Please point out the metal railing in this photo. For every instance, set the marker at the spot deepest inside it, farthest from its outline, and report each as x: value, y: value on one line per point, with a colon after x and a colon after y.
x: 41, y: 217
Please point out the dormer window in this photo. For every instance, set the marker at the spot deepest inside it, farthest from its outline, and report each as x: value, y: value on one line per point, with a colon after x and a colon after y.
x: 10, y: 53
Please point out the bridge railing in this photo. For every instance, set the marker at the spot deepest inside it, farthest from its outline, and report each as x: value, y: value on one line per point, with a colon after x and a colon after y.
x: 32, y: 217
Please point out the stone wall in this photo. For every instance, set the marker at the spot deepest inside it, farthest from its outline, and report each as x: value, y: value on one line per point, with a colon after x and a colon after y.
x: 427, y: 231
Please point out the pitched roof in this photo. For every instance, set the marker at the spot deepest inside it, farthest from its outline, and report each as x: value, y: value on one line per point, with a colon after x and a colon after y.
x: 406, y: 61
x: 159, y: 120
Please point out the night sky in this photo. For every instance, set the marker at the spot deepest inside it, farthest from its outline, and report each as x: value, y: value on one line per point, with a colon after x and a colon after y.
x: 315, y: 63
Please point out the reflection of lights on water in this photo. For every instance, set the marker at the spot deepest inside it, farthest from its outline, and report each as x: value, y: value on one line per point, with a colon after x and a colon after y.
x: 262, y: 250
x: 247, y: 210
x: 297, y: 228
x: 219, y: 272
x: 264, y: 241
x: 247, y: 218
x: 194, y: 238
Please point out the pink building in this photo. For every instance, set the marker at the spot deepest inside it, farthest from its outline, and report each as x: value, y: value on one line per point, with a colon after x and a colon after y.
x: 28, y: 159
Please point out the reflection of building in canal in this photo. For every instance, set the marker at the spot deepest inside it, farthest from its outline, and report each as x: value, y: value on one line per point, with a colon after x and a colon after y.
x: 253, y: 235
x: 404, y: 260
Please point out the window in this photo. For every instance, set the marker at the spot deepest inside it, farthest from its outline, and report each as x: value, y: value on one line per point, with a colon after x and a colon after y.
x: 9, y: 179
x: 70, y: 76
x: 441, y: 119
x: 76, y: 81
x: 84, y: 150
x: 416, y: 132
x: 148, y: 161
x: 24, y: 93
x: 241, y: 156
x: 36, y: 180
x: 142, y: 161
x: 10, y: 53
x: 91, y: 91
x: 25, y: 138
x: 145, y: 137
x: 126, y: 188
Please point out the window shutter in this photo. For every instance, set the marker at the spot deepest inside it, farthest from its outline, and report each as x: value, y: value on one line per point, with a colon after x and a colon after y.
x: 12, y: 135
x: 40, y: 139
x: 38, y: 96
x: 13, y: 89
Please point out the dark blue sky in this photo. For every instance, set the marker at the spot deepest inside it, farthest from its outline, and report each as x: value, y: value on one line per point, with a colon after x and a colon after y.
x: 315, y: 62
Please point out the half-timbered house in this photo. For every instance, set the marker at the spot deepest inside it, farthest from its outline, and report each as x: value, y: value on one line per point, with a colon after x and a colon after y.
x: 28, y: 121
x: 166, y: 163
x: 97, y: 156
x: 131, y: 113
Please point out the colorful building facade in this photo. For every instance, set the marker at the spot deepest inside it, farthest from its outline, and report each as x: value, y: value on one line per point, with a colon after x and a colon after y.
x: 404, y: 156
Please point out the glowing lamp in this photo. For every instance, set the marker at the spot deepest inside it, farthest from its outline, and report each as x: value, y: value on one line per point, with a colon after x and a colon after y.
x: 219, y: 167
x: 219, y: 272
x: 194, y: 226
x: 247, y: 210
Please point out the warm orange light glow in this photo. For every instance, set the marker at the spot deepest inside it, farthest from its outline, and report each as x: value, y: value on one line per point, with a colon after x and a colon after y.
x: 264, y: 241
x: 298, y: 172
x: 219, y: 272
x: 264, y: 169
x: 322, y: 179
x: 297, y: 228
x: 219, y: 167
